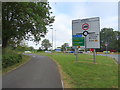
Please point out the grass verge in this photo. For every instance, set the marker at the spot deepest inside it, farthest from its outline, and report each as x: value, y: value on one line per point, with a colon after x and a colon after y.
x: 84, y: 73
x: 13, y: 67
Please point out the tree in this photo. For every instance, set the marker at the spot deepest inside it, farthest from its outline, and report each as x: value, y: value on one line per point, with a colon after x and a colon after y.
x: 25, y: 20
x: 107, y: 35
x: 117, y: 41
x: 40, y: 49
x: 46, y: 44
x: 64, y: 46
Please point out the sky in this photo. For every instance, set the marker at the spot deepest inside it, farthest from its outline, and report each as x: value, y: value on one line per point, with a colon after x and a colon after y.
x: 65, y: 12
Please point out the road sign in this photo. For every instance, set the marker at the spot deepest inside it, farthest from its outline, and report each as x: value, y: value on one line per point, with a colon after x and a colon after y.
x: 92, y: 41
x: 78, y: 41
x: 77, y: 35
x: 85, y: 33
x: 89, y: 28
x: 85, y: 26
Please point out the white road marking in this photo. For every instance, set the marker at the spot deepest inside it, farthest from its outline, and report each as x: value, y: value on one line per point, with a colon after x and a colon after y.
x: 62, y: 84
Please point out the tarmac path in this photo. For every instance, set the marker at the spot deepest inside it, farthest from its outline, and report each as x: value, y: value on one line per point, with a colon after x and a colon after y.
x: 39, y: 72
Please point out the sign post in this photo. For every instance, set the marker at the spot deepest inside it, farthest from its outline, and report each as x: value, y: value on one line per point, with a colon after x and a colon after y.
x: 94, y: 56
x: 89, y: 29
x: 76, y: 53
x: 77, y: 40
x: 106, y: 44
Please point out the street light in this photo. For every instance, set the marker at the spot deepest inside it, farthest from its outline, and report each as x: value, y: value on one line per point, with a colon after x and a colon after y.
x: 52, y: 38
x: 55, y: 39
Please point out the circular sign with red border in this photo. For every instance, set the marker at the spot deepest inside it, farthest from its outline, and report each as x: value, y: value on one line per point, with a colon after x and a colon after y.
x: 85, y: 26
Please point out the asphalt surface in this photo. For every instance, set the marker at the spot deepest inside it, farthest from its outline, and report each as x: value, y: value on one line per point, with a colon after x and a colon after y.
x: 115, y: 56
x: 39, y: 72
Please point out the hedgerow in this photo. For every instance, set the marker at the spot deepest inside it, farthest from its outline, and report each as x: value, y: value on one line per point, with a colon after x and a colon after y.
x: 11, y: 59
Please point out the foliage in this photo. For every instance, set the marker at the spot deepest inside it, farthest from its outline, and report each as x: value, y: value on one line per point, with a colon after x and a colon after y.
x: 19, y: 48
x: 107, y: 35
x: 24, y: 48
x: 10, y: 59
x: 25, y: 59
x: 46, y: 44
x: 64, y: 46
x: 40, y: 49
x: 25, y: 20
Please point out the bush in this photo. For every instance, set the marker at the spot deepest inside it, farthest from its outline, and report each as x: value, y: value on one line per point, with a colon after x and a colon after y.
x: 11, y: 59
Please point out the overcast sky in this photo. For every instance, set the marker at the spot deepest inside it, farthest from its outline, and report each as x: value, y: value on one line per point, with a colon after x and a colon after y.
x: 65, y: 12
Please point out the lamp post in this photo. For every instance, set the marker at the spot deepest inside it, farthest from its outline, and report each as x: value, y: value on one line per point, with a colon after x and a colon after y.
x: 55, y: 39
x: 52, y: 38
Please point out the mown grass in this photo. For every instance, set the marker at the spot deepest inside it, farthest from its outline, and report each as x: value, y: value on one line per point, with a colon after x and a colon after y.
x: 84, y: 73
x: 24, y: 60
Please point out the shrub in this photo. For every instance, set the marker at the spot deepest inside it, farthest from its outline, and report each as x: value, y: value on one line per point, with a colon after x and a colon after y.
x: 11, y: 59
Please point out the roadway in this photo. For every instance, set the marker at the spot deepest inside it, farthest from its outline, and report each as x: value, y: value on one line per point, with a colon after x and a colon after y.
x: 39, y: 72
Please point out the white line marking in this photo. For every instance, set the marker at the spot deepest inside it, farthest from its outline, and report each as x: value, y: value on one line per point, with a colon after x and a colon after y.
x: 34, y: 56
x: 62, y: 84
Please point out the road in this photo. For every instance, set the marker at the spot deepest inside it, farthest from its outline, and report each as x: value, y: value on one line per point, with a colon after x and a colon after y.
x: 39, y: 72
x: 115, y: 56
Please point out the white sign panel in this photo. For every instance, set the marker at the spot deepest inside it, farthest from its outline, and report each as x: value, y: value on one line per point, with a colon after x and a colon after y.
x: 89, y: 28
x: 92, y: 41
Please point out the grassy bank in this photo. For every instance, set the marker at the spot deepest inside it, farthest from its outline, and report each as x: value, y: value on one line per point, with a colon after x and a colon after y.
x: 84, y: 73
x: 25, y: 59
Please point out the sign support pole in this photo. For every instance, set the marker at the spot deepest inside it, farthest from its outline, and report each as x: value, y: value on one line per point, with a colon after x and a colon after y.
x: 94, y: 56
x: 106, y: 44
x: 76, y: 54
x: 85, y: 44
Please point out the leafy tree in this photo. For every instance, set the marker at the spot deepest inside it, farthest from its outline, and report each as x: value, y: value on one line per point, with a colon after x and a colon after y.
x: 107, y: 35
x: 40, y: 49
x: 25, y: 20
x: 31, y: 48
x: 64, y: 46
x: 46, y: 44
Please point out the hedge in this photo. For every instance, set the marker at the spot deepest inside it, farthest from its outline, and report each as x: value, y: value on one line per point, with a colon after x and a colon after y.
x: 11, y: 59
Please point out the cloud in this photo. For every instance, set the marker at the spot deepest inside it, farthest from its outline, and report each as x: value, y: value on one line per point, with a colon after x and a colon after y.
x: 110, y: 22
x: 66, y: 12
x: 63, y: 28
x: 83, y: 0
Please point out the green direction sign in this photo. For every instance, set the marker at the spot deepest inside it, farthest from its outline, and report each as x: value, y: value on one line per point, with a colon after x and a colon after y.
x: 78, y: 41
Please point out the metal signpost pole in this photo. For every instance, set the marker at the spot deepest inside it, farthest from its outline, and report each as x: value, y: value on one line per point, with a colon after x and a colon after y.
x: 85, y: 44
x: 106, y: 49
x: 76, y: 53
x: 94, y: 56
